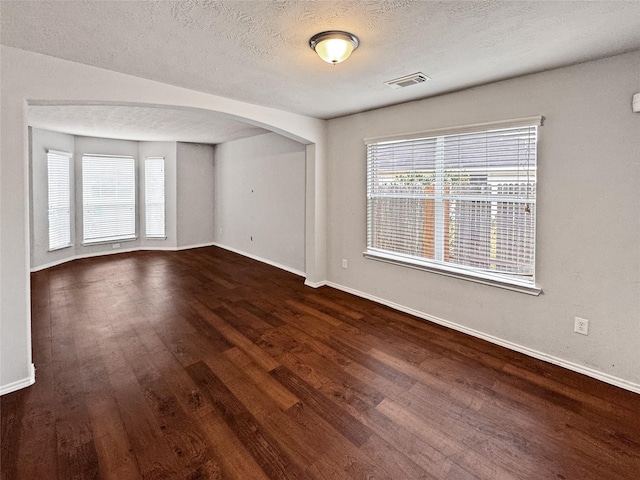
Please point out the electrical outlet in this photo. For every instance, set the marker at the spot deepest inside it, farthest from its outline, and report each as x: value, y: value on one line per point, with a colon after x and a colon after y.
x: 581, y: 326
x: 344, y: 263
x: 115, y: 245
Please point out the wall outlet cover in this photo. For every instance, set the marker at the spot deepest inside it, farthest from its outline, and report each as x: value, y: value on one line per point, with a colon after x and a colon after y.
x: 581, y: 326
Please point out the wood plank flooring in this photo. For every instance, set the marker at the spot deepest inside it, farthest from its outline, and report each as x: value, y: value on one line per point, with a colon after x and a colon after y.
x: 203, y: 364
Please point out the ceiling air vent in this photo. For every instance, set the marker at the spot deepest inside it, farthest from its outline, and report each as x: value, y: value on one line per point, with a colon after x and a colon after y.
x: 407, y: 81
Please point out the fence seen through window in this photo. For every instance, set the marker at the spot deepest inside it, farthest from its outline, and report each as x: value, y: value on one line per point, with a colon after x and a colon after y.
x: 466, y: 201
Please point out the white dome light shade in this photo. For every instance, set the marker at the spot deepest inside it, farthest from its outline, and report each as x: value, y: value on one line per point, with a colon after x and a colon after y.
x: 334, y: 46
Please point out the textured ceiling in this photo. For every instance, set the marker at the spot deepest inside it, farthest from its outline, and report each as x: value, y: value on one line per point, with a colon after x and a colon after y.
x: 257, y: 51
x: 140, y: 123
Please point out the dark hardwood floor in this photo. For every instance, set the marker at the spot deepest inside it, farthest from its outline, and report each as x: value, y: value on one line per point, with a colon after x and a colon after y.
x: 205, y: 364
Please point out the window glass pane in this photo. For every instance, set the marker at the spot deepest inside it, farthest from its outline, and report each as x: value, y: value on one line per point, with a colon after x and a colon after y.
x: 109, y: 198
x: 465, y: 201
x: 154, y: 197
x: 59, y: 199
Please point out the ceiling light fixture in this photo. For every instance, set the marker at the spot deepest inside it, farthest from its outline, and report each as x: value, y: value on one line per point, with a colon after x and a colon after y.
x: 334, y: 46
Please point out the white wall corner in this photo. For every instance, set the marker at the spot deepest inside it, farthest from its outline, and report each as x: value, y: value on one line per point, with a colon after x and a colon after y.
x: 19, y: 384
x: 281, y: 266
x: 198, y: 245
x: 311, y: 284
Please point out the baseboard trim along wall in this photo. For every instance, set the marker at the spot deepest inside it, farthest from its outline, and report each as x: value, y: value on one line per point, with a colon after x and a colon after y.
x: 116, y: 251
x: 22, y: 383
x: 189, y: 247
x: 260, y: 259
x: 605, y: 377
x: 315, y: 284
x: 85, y: 255
x: 171, y: 249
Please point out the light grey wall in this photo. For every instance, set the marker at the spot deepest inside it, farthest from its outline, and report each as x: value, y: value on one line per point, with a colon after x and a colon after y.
x: 588, y: 230
x: 28, y: 75
x: 41, y: 141
x: 195, y: 194
x: 260, y: 198
x: 168, y: 150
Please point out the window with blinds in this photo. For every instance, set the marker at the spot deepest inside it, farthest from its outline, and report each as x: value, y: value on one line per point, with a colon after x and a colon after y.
x: 59, y: 199
x: 154, y: 197
x: 460, y: 201
x: 108, y: 198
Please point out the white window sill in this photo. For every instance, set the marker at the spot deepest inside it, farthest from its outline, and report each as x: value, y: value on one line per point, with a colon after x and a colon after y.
x: 155, y: 238
x: 455, y: 273
x: 60, y: 248
x: 108, y: 241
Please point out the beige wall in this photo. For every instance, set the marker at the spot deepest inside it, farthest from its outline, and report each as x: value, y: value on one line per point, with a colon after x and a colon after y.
x: 588, y: 230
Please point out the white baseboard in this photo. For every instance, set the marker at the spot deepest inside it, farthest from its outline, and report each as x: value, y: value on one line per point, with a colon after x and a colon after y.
x: 155, y: 249
x: 590, y: 372
x: 198, y: 245
x: 86, y: 255
x: 170, y: 249
x: 260, y: 259
x: 116, y: 251
x: 22, y: 383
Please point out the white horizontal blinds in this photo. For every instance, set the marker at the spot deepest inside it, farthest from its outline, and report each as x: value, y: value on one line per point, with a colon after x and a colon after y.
x: 59, y: 199
x: 109, y: 198
x: 154, y: 197
x: 401, y: 197
x: 492, y: 199
x: 466, y: 200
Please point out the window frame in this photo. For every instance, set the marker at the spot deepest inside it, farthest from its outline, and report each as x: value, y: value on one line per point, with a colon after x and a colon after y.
x: 432, y: 265
x: 53, y: 155
x: 132, y: 201
x: 148, y: 191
